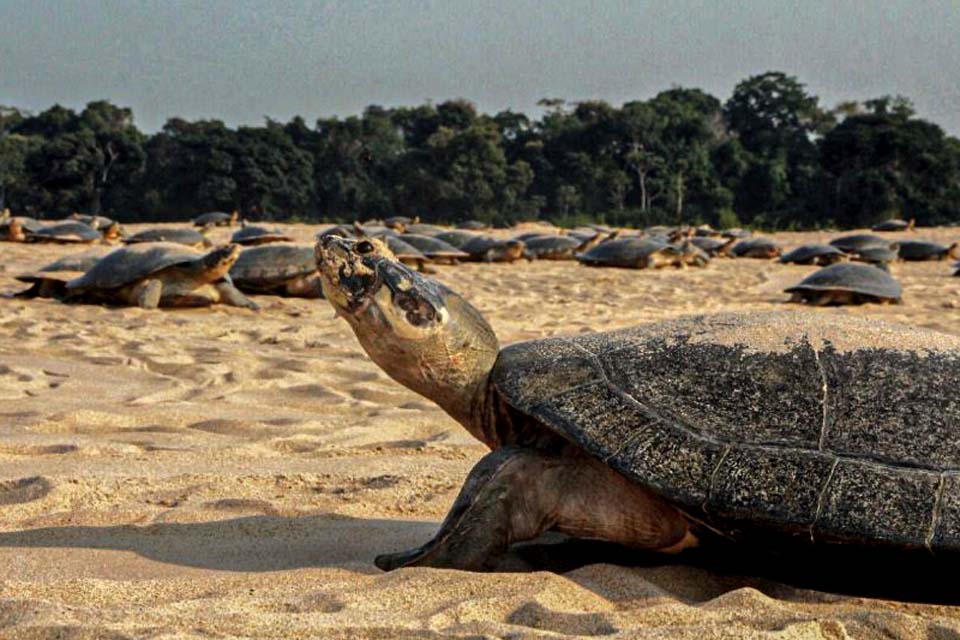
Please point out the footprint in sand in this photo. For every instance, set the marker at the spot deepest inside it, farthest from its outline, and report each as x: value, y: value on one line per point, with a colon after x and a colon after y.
x: 23, y: 490
x: 535, y: 616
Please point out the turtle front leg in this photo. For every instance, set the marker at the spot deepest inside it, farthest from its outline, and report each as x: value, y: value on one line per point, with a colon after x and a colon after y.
x: 229, y: 294
x: 515, y: 494
x: 147, y: 294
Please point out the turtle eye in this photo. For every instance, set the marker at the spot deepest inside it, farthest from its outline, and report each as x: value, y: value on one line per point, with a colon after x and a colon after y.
x: 364, y: 247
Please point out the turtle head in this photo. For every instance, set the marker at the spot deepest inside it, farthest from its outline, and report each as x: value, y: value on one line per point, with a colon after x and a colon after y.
x: 15, y: 231
x: 216, y: 263
x: 422, y: 334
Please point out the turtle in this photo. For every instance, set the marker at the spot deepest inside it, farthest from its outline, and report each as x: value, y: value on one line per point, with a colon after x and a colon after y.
x: 706, y: 231
x: 51, y: 280
x: 523, y: 237
x: 16, y: 228
x: 917, y: 250
x: 895, y: 225
x: 456, y: 237
x: 400, y: 223
x: 771, y: 430
x: 855, y: 243
x: 878, y: 255
x: 162, y: 274
x: 279, y: 269
x: 550, y: 247
x: 473, y: 225
x: 714, y: 246
x: 64, y: 233
x: 736, y: 232
x: 404, y: 252
x: 217, y: 219
x: 633, y: 253
x: 250, y: 235
x: 763, y: 248
x: 92, y: 221
x: 692, y: 255
x: 434, y: 248
x: 818, y: 254
x: 490, y: 249
x: 424, y: 229
x: 177, y: 235
x: 846, y: 283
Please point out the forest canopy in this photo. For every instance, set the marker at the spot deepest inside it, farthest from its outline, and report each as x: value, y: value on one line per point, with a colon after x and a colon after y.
x: 770, y: 156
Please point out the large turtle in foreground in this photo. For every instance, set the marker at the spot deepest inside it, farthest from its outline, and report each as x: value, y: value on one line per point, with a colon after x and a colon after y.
x: 279, y: 269
x: 162, y: 274
x: 780, y: 430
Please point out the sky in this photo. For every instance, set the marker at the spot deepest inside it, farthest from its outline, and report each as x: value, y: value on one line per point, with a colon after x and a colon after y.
x: 243, y: 60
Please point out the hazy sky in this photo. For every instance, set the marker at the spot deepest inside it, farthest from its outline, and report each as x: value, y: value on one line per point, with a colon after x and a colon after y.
x: 241, y: 60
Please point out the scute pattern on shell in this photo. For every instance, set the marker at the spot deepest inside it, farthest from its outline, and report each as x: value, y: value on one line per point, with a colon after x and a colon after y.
x: 783, y: 421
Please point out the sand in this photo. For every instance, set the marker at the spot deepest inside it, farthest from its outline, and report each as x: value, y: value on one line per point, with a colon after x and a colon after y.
x: 231, y: 474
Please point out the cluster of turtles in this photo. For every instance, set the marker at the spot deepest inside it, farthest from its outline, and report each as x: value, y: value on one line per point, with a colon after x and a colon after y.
x: 179, y: 267
x: 182, y: 264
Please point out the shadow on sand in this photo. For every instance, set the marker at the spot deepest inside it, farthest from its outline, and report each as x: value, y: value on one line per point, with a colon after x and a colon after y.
x: 277, y: 543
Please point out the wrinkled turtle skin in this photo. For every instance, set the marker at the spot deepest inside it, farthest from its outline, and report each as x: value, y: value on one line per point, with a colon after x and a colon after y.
x: 847, y: 283
x: 777, y: 430
x: 278, y: 269
x: 818, y: 254
x: 177, y: 235
x: 161, y: 274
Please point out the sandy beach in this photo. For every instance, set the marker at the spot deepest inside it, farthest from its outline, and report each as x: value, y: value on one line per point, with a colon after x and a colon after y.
x: 224, y: 473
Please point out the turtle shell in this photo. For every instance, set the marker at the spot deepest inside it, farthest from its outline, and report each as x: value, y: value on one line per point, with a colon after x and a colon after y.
x: 65, y: 232
x: 812, y: 253
x: 857, y: 278
x: 433, y: 247
x: 772, y: 427
x: 456, y: 237
x: 858, y: 241
x: 259, y: 235
x: 542, y: 246
x: 178, y: 235
x: 132, y: 263
x: 756, y: 248
x: 76, y: 262
x: 273, y: 263
x: 424, y: 229
x: 473, y: 225
x: 401, y: 249
x: 711, y: 245
x: 94, y: 222
x: 478, y: 246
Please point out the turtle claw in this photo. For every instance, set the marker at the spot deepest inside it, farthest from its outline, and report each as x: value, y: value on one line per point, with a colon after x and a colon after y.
x: 391, y: 561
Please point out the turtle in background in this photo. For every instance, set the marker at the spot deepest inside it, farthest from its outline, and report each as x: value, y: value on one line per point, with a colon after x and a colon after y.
x: 93, y: 221
x: 278, y: 269
x: 473, y: 225
x: 178, y: 235
x: 847, y: 283
x: 50, y: 281
x: 775, y: 431
x: 919, y: 250
x: 17, y: 228
x: 400, y: 223
x: 64, y: 233
x: 761, y: 248
x: 435, y: 249
x: 818, y: 254
x: 633, y: 253
x: 490, y: 249
x: 217, y: 219
x: 857, y: 242
x: 894, y: 225
x: 554, y: 247
x: 736, y: 232
x: 456, y: 237
x: 251, y: 235
x: 714, y: 246
x: 161, y: 274
x: 423, y: 229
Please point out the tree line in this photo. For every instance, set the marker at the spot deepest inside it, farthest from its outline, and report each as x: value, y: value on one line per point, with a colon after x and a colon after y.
x: 770, y: 156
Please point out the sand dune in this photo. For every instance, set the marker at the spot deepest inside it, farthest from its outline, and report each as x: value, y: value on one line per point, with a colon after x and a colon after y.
x: 227, y: 473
